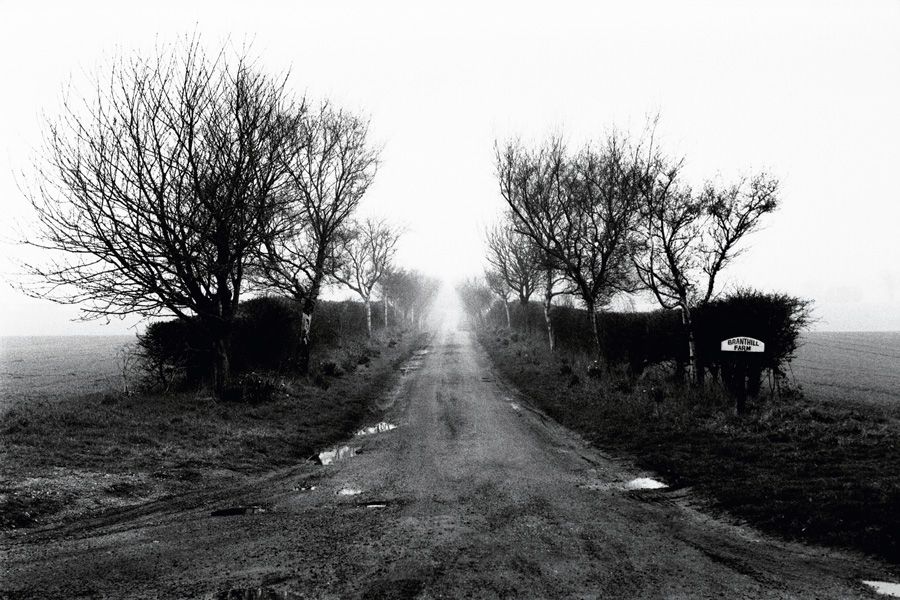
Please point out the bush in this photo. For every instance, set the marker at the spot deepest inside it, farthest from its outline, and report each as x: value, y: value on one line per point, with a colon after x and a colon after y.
x: 251, y: 388
x: 266, y: 337
x: 642, y: 339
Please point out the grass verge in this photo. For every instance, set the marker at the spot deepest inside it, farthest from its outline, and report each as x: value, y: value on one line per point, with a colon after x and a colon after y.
x: 60, y: 459
x: 802, y: 468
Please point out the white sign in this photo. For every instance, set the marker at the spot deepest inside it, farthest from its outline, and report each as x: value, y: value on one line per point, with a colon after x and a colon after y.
x: 743, y: 344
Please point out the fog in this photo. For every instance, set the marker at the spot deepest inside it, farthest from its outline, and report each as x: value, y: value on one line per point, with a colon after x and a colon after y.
x: 807, y: 91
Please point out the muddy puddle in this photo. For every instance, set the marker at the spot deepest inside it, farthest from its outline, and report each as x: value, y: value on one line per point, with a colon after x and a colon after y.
x: 884, y: 587
x: 640, y: 483
x: 644, y: 483
x: 376, y: 428
x: 329, y: 457
x: 260, y: 593
x: 236, y: 511
x: 349, y: 491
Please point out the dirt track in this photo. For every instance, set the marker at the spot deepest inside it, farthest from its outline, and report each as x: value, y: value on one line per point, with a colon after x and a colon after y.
x: 474, y: 494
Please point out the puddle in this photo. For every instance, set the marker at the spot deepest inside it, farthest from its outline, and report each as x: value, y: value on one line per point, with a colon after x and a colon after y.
x: 303, y: 489
x: 884, y: 587
x: 377, y: 428
x: 644, y: 483
x: 515, y: 406
x: 331, y: 456
x: 641, y: 483
x: 349, y: 492
x: 375, y: 505
x: 236, y: 511
x: 260, y: 593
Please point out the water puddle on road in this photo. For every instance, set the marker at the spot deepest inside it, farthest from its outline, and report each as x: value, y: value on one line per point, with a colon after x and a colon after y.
x: 515, y: 406
x: 641, y: 483
x: 260, y: 593
x: 644, y: 483
x: 332, y: 456
x: 236, y: 511
x: 884, y: 587
x: 377, y: 428
x: 349, y: 492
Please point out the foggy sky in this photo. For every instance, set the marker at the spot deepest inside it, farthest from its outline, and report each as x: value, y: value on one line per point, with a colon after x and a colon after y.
x: 806, y: 90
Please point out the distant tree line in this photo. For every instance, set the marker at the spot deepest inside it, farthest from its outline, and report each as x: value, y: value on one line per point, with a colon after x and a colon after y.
x: 188, y: 180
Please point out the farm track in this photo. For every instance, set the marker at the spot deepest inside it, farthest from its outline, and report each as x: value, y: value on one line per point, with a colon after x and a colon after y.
x: 474, y: 495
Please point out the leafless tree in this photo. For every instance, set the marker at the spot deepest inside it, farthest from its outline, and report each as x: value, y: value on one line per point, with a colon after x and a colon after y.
x: 154, y: 190
x: 687, y: 238
x: 411, y: 293
x: 579, y: 210
x: 331, y: 166
x: 553, y: 283
x: 366, y: 258
x: 498, y: 286
x: 515, y: 260
x: 476, y: 299
x: 425, y: 290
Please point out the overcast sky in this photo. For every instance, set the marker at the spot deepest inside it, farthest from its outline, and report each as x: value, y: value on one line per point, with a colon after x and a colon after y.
x: 806, y: 90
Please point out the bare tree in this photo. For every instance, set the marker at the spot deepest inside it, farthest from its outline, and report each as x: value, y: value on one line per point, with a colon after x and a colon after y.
x: 476, y: 299
x: 366, y: 259
x: 578, y: 210
x: 553, y: 283
x: 688, y: 238
x: 331, y: 166
x: 154, y: 192
x: 411, y: 293
x: 514, y: 259
x: 425, y: 290
x: 498, y: 286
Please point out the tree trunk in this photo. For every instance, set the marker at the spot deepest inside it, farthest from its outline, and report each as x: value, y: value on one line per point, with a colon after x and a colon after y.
x: 368, y: 317
x: 221, y: 364
x: 523, y: 303
x: 693, y: 367
x: 308, y: 305
x: 547, y: 306
x: 595, y: 326
x: 384, y: 301
x: 303, y: 350
x: 508, y: 320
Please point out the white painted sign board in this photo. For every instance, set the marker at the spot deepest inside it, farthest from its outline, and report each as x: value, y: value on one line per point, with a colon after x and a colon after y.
x: 743, y: 344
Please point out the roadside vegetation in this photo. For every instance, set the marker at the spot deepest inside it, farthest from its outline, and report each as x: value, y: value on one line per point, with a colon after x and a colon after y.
x: 197, y: 191
x: 62, y: 459
x: 801, y: 467
x: 615, y: 223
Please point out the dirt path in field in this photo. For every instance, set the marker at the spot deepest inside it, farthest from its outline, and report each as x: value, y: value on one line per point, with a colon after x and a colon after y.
x: 473, y: 495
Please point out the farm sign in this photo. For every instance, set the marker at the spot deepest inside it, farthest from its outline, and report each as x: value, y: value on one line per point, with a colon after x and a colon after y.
x: 743, y: 344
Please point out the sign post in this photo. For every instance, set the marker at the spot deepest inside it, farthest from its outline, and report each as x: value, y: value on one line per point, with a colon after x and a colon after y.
x: 741, y: 349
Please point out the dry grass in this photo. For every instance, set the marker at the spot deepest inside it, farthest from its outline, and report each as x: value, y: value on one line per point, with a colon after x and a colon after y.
x: 61, y: 458
x: 801, y: 467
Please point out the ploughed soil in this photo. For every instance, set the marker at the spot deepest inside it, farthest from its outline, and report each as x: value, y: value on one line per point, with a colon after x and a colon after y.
x: 473, y: 494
